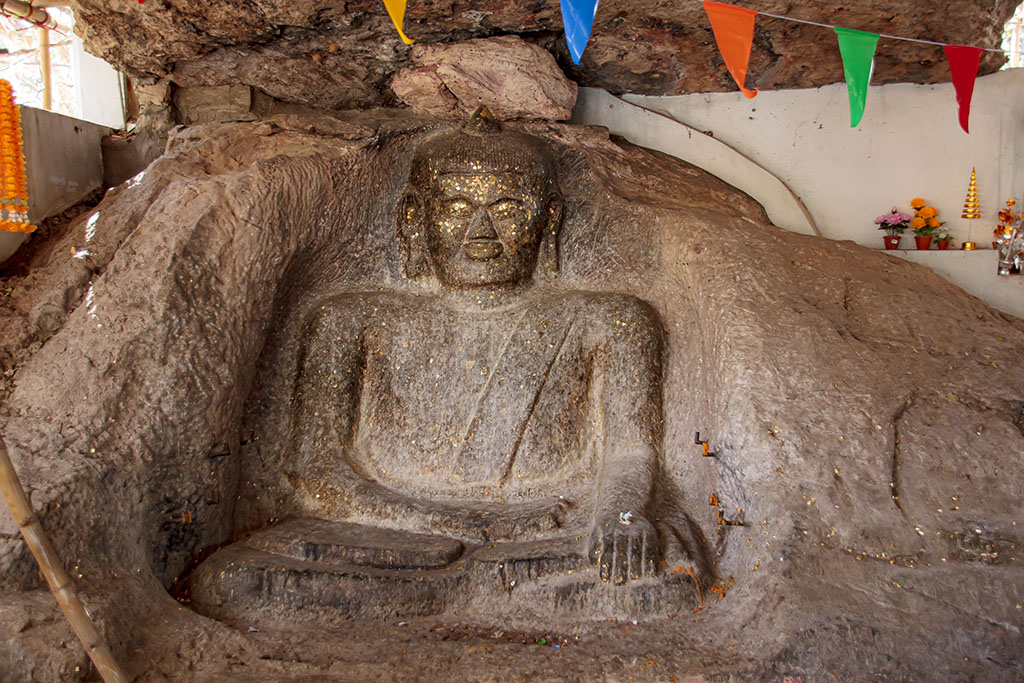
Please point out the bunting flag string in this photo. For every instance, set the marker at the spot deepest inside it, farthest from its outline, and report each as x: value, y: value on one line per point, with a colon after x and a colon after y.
x: 857, y: 50
x: 734, y: 33
x: 396, y: 10
x: 881, y: 35
x: 734, y: 29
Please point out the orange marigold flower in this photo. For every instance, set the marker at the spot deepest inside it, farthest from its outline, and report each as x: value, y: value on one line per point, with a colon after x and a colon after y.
x: 916, y: 203
x: 917, y: 222
x: 934, y: 222
x: 929, y: 211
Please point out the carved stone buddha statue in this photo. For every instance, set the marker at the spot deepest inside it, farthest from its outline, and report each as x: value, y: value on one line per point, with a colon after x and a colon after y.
x: 494, y: 438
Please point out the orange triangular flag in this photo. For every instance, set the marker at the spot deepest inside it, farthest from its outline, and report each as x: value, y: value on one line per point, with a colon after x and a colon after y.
x: 734, y: 33
x: 396, y: 10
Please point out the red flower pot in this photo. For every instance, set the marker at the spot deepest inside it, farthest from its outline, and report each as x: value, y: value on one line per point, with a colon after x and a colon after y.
x: 891, y: 241
x: 942, y: 245
x: 923, y: 241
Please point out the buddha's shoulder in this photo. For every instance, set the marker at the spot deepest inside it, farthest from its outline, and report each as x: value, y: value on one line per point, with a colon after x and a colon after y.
x: 606, y: 311
x: 603, y: 305
x: 357, y: 307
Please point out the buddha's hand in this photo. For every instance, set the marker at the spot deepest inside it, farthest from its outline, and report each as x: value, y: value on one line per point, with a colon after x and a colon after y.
x: 625, y: 546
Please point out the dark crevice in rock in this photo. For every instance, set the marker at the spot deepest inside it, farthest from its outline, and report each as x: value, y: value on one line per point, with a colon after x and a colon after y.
x: 730, y: 489
x: 735, y: 480
x: 855, y: 336
x: 894, y: 482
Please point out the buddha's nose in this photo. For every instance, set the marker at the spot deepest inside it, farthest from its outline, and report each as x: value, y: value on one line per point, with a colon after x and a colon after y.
x: 481, y: 228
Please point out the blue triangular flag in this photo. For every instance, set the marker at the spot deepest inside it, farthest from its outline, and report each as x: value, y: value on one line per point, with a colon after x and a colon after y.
x: 578, y: 20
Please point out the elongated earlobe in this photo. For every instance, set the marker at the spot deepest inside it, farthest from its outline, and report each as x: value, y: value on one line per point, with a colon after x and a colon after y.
x: 412, y: 240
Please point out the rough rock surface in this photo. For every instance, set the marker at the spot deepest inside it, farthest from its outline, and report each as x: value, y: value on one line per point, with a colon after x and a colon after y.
x: 515, y: 79
x: 866, y: 417
x: 216, y: 103
x: 332, y: 55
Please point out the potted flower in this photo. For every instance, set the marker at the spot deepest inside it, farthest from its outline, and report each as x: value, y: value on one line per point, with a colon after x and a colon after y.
x: 893, y: 224
x: 943, y: 240
x: 925, y: 222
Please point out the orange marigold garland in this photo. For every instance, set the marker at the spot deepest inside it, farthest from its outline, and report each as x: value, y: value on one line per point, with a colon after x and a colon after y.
x: 14, y: 190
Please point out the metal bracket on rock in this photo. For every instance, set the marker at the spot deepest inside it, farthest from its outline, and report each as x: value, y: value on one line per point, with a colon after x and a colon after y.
x: 722, y: 521
x: 704, y: 446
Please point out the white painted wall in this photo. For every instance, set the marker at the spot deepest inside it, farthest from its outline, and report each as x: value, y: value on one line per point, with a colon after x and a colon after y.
x: 908, y: 144
x: 665, y: 134
x: 97, y: 88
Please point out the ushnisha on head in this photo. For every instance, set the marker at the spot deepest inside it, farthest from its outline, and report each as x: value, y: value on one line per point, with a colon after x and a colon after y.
x: 482, y: 207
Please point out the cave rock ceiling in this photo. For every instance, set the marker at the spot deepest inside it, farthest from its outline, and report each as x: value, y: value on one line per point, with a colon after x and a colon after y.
x: 331, y: 54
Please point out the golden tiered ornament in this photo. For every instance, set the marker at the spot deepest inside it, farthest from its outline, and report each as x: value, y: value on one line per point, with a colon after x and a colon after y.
x: 972, y: 209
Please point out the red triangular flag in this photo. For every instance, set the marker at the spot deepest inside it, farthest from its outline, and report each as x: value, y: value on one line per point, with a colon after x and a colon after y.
x: 963, y: 64
x: 734, y: 32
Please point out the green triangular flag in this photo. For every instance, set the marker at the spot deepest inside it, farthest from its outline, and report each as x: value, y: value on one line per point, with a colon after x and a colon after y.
x: 857, y: 49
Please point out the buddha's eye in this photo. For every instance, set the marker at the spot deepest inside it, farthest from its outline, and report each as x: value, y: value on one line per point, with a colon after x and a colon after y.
x: 456, y: 208
x: 507, y: 209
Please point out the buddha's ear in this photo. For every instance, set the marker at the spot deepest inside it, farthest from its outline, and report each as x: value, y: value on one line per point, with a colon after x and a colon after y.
x: 548, y: 258
x: 411, y: 221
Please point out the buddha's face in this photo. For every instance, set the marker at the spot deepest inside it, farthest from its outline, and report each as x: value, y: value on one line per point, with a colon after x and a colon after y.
x: 485, y: 228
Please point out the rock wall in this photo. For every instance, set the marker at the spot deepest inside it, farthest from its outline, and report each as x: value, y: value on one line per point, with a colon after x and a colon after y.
x: 865, y: 415
x: 326, y: 55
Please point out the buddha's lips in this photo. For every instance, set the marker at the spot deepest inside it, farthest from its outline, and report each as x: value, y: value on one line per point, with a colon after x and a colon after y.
x: 482, y: 250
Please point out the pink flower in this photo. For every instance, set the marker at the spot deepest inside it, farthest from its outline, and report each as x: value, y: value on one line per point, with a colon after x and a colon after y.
x: 894, y: 222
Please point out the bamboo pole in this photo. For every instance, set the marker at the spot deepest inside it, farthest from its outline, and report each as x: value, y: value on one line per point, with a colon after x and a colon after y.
x: 25, y: 10
x: 53, y: 570
x: 44, y: 67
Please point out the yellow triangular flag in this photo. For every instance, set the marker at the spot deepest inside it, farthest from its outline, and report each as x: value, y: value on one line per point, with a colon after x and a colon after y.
x: 396, y: 10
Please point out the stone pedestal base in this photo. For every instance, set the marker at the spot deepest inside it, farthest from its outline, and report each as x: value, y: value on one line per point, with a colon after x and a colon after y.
x: 313, y: 572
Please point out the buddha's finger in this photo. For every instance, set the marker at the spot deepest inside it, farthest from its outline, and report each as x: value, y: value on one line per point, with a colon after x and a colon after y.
x: 594, y: 547
x: 649, y: 562
x: 636, y: 555
x: 606, y: 544
x: 621, y: 558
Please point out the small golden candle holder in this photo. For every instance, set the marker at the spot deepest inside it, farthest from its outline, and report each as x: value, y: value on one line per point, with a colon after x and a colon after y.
x: 969, y: 246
